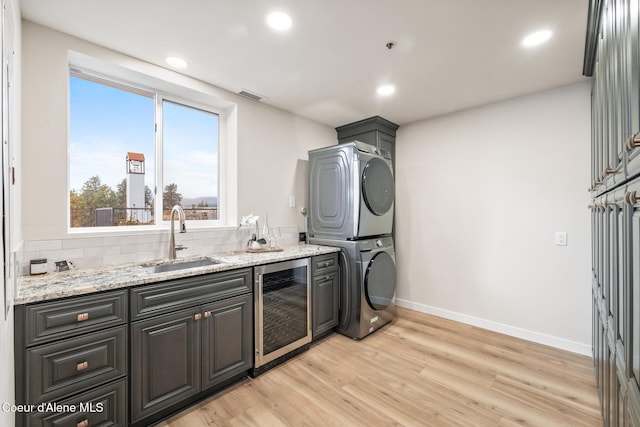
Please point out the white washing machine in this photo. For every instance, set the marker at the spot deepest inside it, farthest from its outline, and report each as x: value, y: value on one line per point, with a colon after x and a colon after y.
x: 351, y: 192
x: 367, y: 284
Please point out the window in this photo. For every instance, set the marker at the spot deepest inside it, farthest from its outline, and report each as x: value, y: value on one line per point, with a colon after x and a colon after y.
x: 134, y: 153
x: 190, y: 166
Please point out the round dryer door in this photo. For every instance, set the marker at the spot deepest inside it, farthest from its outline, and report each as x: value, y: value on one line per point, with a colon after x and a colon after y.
x: 377, y: 186
x: 380, y: 281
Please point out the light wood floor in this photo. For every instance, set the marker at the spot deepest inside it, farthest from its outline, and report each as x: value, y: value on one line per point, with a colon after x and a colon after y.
x: 419, y: 370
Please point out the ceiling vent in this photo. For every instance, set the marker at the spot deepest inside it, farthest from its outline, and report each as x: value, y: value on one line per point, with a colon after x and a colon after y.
x: 250, y: 95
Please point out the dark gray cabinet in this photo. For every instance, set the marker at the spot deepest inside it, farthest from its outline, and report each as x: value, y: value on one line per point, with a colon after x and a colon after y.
x: 632, y: 411
x: 374, y: 130
x: 189, y: 336
x: 133, y: 356
x: 612, y: 42
x: 73, y: 351
x: 325, y: 288
x: 612, y: 224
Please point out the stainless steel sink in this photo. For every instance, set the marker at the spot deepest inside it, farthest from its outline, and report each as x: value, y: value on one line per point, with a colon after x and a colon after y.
x: 181, y: 265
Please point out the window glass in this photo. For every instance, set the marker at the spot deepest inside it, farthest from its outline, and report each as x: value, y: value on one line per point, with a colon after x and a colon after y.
x: 134, y: 154
x: 190, y: 161
x: 108, y: 123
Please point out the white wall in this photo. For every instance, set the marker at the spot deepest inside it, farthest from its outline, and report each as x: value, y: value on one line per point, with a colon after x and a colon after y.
x: 272, y: 144
x: 11, y: 34
x: 480, y: 195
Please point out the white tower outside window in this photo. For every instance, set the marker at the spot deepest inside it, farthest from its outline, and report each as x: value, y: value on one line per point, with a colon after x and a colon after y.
x: 137, y: 210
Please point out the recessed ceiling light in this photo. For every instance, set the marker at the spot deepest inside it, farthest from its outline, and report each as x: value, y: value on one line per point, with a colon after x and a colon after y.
x: 279, y: 21
x: 386, y: 90
x: 536, y: 38
x: 176, y: 62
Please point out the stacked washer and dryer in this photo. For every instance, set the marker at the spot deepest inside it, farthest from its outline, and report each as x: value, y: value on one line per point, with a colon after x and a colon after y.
x: 351, y: 204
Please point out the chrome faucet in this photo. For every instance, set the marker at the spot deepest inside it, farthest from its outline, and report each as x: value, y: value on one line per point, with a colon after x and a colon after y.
x: 183, y: 229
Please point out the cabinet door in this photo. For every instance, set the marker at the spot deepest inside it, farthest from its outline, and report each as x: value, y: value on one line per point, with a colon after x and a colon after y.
x: 165, y: 361
x: 621, y: 400
x: 634, y: 316
x: 388, y: 144
x: 633, y: 405
x: 325, y: 296
x: 227, y: 345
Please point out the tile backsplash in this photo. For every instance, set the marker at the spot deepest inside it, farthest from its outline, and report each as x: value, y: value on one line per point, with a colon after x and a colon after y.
x: 97, y: 251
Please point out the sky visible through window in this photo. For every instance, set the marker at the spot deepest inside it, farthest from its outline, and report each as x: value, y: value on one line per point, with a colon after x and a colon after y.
x: 107, y: 122
x: 190, y: 150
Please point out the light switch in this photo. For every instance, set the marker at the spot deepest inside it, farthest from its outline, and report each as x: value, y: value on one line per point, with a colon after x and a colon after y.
x: 292, y: 201
x: 561, y: 238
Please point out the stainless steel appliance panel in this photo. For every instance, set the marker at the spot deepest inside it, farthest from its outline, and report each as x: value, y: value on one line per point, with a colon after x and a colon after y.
x: 351, y: 192
x: 367, y: 286
x: 282, y: 309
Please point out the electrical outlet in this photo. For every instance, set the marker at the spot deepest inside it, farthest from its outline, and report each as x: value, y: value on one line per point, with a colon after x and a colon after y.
x: 561, y: 238
x: 292, y: 201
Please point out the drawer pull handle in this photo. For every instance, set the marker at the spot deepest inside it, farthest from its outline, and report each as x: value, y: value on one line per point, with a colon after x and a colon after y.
x: 207, y: 314
x: 609, y: 171
x: 83, y: 317
x: 327, y: 264
x: 632, y: 142
x: 83, y: 423
x: 327, y: 278
x: 82, y: 366
x: 198, y: 316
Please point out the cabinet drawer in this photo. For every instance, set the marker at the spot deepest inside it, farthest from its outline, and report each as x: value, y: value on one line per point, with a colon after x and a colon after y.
x: 103, y: 406
x: 61, y: 319
x: 323, y: 263
x: 165, y: 297
x: 58, y: 369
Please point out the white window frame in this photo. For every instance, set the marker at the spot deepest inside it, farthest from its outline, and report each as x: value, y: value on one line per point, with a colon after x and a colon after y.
x: 158, y: 208
x: 170, y: 86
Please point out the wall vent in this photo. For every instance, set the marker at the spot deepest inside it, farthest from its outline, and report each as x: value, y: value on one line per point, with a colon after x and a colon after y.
x: 250, y: 95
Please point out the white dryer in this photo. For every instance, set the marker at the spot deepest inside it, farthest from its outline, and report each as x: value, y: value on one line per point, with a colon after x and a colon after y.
x: 351, y: 192
x: 367, y: 284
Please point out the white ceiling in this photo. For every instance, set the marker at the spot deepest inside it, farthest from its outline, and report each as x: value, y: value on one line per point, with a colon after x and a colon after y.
x: 449, y: 54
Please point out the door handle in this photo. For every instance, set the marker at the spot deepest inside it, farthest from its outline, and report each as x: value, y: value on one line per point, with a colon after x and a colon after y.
x: 632, y: 142
x: 609, y: 171
x: 631, y: 198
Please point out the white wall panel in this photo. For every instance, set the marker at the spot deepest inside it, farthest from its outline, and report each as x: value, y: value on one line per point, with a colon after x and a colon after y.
x: 480, y: 195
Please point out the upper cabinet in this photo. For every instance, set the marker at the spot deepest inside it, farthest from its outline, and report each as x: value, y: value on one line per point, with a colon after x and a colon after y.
x: 611, y: 56
x: 374, y: 130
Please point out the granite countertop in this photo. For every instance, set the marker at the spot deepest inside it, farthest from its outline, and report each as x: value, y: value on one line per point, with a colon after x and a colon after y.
x: 85, y: 281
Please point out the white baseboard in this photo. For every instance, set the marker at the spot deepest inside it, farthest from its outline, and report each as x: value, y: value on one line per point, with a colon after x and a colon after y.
x: 561, y: 343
